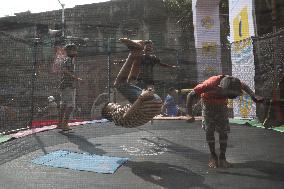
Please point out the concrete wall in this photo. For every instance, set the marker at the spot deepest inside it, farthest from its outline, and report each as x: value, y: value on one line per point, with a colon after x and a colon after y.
x: 135, y: 19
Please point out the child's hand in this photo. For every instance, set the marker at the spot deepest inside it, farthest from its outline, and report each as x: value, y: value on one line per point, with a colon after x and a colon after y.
x: 147, y: 92
x: 259, y: 99
x: 81, y: 81
x: 176, y: 67
x: 190, y: 119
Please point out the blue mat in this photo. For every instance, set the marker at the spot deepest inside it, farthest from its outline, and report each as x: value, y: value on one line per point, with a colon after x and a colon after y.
x: 80, y: 161
x: 97, y: 121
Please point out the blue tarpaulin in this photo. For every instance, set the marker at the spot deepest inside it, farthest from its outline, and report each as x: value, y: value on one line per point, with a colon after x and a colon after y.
x: 80, y: 161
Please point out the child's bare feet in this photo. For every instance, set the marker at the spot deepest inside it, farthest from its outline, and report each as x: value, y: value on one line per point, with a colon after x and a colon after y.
x: 64, y: 127
x: 213, y: 162
x: 224, y: 163
x: 59, y: 126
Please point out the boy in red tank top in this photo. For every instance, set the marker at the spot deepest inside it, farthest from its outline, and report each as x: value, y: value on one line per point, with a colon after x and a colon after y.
x: 214, y: 93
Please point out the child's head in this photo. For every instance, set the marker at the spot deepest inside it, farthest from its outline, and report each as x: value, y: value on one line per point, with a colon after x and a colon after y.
x: 71, y: 50
x: 50, y: 98
x: 231, y: 86
x: 148, y: 47
x: 107, y: 110
x: 172, y: 91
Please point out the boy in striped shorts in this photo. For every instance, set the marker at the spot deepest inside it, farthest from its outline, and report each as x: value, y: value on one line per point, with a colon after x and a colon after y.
x: 144, y: 103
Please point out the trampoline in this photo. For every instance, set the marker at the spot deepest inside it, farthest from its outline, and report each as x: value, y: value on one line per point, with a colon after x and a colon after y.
x: 164, y: 154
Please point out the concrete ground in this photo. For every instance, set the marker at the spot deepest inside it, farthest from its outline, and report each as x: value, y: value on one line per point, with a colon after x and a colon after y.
x: 166, y: 154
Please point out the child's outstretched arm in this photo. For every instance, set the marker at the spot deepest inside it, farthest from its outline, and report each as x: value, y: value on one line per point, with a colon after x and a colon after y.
x: 191, y: 97
x: 254, y: 97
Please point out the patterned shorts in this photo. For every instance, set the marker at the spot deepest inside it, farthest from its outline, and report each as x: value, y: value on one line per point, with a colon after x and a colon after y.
x: 215, y: 118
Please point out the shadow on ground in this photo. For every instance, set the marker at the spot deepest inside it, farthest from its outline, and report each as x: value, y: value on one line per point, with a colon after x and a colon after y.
x: 166, y: 175
x: 273, y: 171
x: 83, y: 144
x: 186, y: 152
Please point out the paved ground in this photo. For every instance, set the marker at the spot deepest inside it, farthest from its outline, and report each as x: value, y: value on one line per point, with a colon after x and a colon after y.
x: 167, y: 154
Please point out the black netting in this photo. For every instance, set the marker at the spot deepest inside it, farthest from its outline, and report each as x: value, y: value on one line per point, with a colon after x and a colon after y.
x: 29, y: 75
x: 269, y: 66
x: 17, y: 57
x: 31, y: 46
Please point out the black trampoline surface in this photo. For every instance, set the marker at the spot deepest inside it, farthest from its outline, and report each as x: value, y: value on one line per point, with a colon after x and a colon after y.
x: 166, y: 154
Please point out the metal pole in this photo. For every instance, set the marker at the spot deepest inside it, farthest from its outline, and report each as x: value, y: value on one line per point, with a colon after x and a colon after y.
x: 35, y: 44
x: 108, y: 67
x: 63, y: 18
x: 254, y: 17
x: 274, y: 15
x: 63, y: 21
x: 177, y: 57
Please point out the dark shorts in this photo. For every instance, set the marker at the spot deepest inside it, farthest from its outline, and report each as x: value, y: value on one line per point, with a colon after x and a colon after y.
x: 68, y: 97
x: 215, y: 118
x: 131, y: 92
